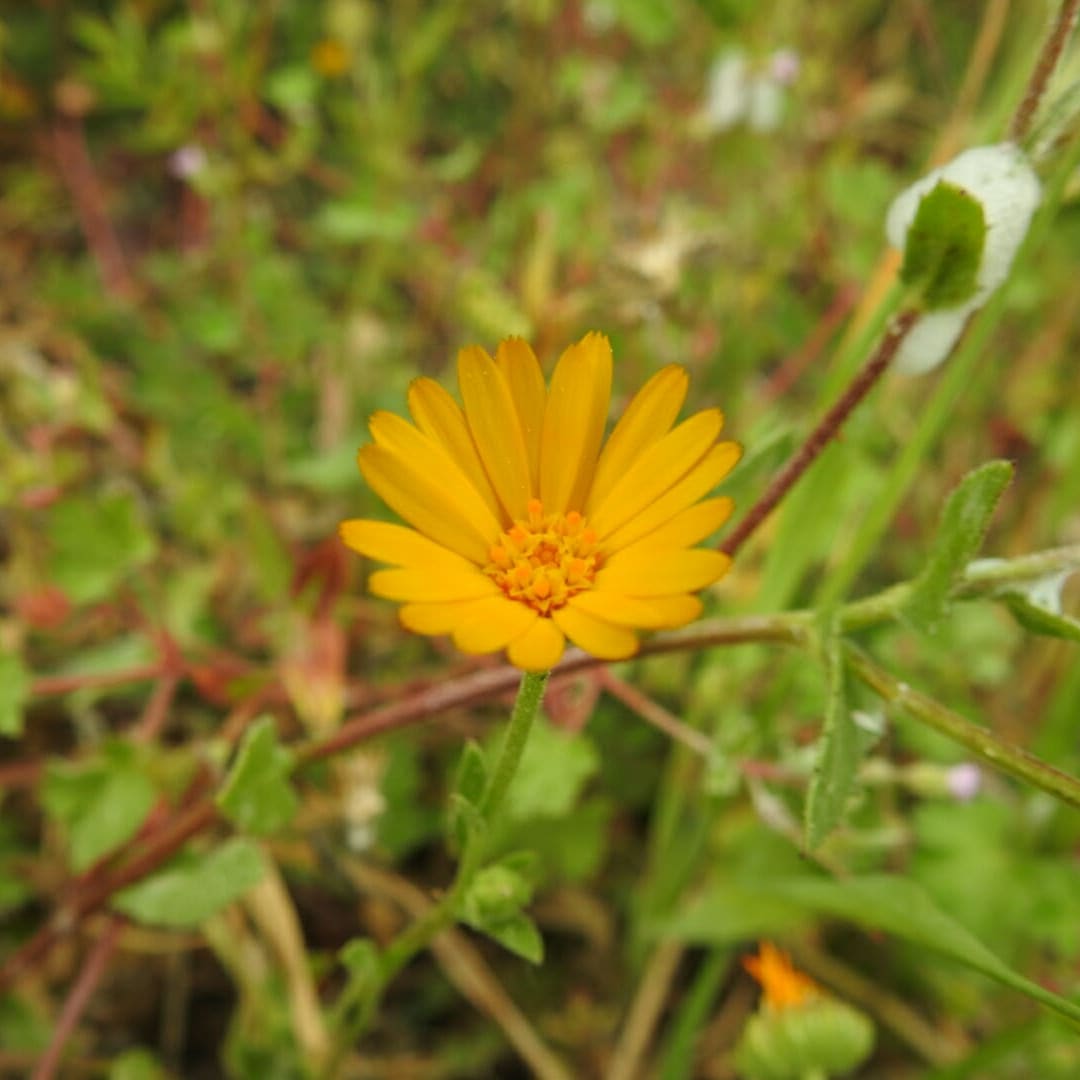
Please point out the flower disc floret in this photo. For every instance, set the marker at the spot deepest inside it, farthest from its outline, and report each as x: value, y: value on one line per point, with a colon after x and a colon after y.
x: 545, y: 560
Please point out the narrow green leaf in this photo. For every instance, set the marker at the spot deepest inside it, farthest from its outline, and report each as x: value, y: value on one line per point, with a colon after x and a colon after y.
x: 193, y: 887
x: 14, y: 693
x: 944, y: 247
x: 964, y: 522
x: 1038, y: 608
x: 886, y: 902
x: 257, y: 795
x: 471, y: 776
x: 902, y: 907
x: 838, y: 754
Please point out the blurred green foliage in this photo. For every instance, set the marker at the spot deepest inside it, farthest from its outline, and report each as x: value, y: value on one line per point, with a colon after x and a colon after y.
x: 231, y: 231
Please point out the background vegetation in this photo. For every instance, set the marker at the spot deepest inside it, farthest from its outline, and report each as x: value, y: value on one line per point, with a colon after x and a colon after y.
x: 229, y: 232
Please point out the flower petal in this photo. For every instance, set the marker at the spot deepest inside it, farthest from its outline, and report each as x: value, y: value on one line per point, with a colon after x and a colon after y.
x: 686, y: 528
x: 413, y: 585
x: 493, y: 421
x: 699, y: 481
x: 574, y: 423
x: 517, y: 361
x: 657, y: 573
x: 647, y: 418
x: 597, y: 637
x: 539, y: 648
x: 437, y: 618
x: 437, y: 501
x: 439, y: 417
x: 492, y: 624
x: 399, y: 546
x: 652, y: 613
x: 657, y: 470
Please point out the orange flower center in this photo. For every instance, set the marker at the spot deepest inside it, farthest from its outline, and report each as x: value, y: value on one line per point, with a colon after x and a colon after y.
x: 544, y: 560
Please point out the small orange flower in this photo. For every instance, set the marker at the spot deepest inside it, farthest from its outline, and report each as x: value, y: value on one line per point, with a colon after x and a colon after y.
x: 783, y: 984
x: 528, y: 529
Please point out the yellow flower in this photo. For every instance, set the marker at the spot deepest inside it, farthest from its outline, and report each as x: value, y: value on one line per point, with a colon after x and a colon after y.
x: 783, y: 985
x: 525, y: 531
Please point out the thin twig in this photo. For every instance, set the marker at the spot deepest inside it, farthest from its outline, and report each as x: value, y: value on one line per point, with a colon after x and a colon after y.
x: 645, y: 1010
x: 654, y: 713
x: 97, y: 963
x: 1051, y: 51
x: 826, y: 430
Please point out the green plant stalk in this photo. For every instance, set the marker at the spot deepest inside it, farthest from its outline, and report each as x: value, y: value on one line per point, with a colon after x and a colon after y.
x: 529, y: 697
x: 983, y: 743
x: 981, y: 578
x: 416, y: 937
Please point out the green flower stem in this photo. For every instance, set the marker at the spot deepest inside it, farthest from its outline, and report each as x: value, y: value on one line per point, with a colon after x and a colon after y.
x: 530, y: 695
x: 982, y: 742
x: 419, y: 935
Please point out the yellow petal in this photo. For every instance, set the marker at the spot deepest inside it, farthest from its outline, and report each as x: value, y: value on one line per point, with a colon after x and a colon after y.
x: 539, y: 648
x: 657, y: 470
x: 416, y: 586
x: 398, y: 546
x: 493, y: 421
x: 492, y: 624
x: 657, y: 573
x: 686, y: 528
x: 440, y: 417
x: 652, y: 613
x: 597, y: 637
x: 647, y: 419
x: 440, y: 503
x: 699, y: 481
x: 574, y: 423
x: 436, y: 618
x: 518, y: 363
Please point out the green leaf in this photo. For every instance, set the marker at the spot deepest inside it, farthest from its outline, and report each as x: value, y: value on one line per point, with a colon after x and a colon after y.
x: 762, y: 906
x: 838, y: 754
x: 257, y: 795
x: 95, y: 543
x: 14, y: 693
x: 964, y: 522
x: 101, y: 803
x: 901, y: 907
x: 554, y: 768
x: 193, y: 887
x: 517, y: 934
x: 471, y: 778
x: 493, y: 903
x: 944, y: 247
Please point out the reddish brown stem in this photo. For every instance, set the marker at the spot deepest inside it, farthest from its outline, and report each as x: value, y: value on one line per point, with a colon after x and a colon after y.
x: 81, y: 178
x: 65, y: 684
x: 826, y: 430
x: 476, y: 686
x: 97, y: 963
x: 1051, y: 52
